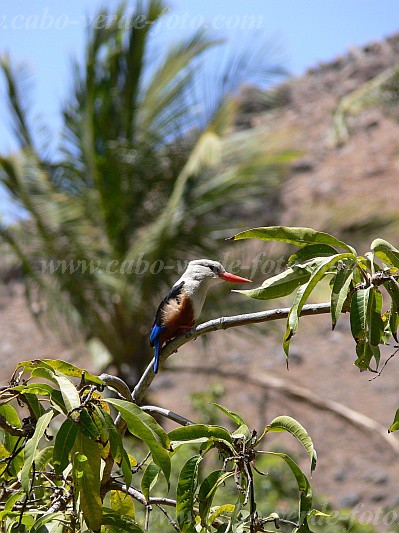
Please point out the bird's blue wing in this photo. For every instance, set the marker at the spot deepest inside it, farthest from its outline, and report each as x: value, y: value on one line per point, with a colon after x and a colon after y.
x: 155, y: 341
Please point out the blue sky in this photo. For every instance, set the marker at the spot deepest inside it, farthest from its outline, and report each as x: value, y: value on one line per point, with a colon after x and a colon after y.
x: 46, y: 35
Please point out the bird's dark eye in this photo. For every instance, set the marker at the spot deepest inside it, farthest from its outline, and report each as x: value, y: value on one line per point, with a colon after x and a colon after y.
x: 214, y: 269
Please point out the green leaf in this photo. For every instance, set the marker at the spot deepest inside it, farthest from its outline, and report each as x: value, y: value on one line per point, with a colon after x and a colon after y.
x: 386, y: 252
x: 148, y: 430
x: 125, y: 406
x: 304, y: 292
x: 64, y: 442
x: 199, y: 433
x: 69, y: 393
x: 31, y: 447
x: 45, y: 519
x: 34, y: 404
x: 61, y: 366
x: 86, y: 471
x: 297, y: 236
x: 374, y: 319
x: 358, y: 313
x: 10, y: 441
x: 395, y: 425
x: 306, y: 497
x: 122, y: 503
x: 364, y: 352
x: 87, y: 425
x: 122, y: 523
x: 393, y: 290
x: 233, y: 416
x: 310, y: 252
x: 149, y: 479
x: 220, y: 510
x: 339, y: 293
x: 280, y: 285
x: 43, y: 458
x: 394, y: 324
x: 186, y: 487
x: 207, y: 492
x: 116, y: 447
x: 286, y: 423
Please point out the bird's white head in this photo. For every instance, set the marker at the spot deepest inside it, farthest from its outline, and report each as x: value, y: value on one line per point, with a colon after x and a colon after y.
x: 211, y: 272
x: 200, y: 276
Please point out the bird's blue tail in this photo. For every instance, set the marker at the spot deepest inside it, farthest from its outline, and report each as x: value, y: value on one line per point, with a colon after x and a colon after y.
x: 155, y: 341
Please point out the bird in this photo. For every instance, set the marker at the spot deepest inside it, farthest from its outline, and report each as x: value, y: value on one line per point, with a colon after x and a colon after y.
x: 182, y: 306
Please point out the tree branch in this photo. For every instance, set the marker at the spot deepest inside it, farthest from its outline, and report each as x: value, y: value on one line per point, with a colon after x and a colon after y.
x: 167, y: 414
x: 16, y: 432
x: 215, y: 325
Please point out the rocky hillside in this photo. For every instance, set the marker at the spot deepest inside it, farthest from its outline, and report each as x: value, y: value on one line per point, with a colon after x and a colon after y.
x: 349, y: 188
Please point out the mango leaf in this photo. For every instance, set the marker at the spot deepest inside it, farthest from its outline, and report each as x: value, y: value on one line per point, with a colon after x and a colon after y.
x: 286, y: 423
x: 148, y: 430
x: 148, y: 420
x: 61, y: 366
x: 120, y: 522
x: 34, y: 404
x: 10, y: 502
x: 297, y: 236
x: 43, y: 372
x: 87, y: 425
x: 386, y: 252
x: 306, y: 497
x: 280, y: 285
x: 365, y: 353
x: 358, y: 313
x: 186, y: 487
x: 10, y: 441
x: 69, y: 393
x: 207, y: 492
x: 394, y: 324
x: 31, y: 447
x: 395, y: 425
x: 339, y: 293
x: 149, y: 479
x: 122, y: 503
x: 374, y: 319
x: 199, y: 433
x: 86, y: 470
x: 303, y: 294
x: 43, y: 458
x: 38, y: 526
x: 220, y: 510
x: 4, y: 454
x: 116, y: 447
x: 310, y: 252
x: 64, y: 442
x: 233, y: 416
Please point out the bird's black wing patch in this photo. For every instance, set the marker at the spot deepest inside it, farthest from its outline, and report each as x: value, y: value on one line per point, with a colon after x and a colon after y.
x: 173, y: 293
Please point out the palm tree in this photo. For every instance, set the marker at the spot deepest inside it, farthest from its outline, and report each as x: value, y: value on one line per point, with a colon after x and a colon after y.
x: 143, y: 174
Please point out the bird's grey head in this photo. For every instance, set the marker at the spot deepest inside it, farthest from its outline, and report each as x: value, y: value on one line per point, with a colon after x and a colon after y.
x: 205, y: 269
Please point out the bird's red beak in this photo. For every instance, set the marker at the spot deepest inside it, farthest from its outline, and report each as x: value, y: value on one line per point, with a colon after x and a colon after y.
x: 233, y: 278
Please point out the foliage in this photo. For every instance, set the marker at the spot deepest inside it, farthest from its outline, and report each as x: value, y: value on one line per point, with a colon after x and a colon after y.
x: 78, y: 480
x: 143, y: 178
x: 357, y: 283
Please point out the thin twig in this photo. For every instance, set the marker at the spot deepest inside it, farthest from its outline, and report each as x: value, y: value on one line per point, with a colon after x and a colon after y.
x: 215, y: 325
x: 170, y: 519
x: 14, y: 431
